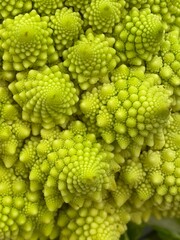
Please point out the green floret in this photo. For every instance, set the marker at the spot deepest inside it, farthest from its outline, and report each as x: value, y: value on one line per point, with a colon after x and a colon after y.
x: 4, y: 75
x: 46, y: 7
x: 165, y: 180
x: 90, y: 106
x: 140, y: 215
x: 139, y: 36
x: 163, y: 174
x: 136, y: 3
x: 122, y: 193
x: 77, y: 5
x: 169, y: 10
x: 132, y: 184
x: 131, y: 109
x: 13, y: 130
x: 72, y: 168
x: 11, y: 140
x: 11, y: 8
x: 28, y: 155
x: 89, y: 117
x: 167, y: 64
x: 23, y: 214
x: 46, y: 96
x: 21, y: 170
x: 26, y: 42
x: 153, y: 179
x: 170, y: 72
x: 91, y: 58
x: 85, y: 173
x: 31, y: 160
x: 66, y: 26
x: 8, y: 76
x: 172, y: 134
x: 94, y: 221
x: 1, y: 50
x: 103, y: 15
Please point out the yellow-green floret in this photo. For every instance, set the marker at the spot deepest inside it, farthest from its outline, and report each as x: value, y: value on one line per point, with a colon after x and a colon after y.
x: 46, y: 96
x: 13, y: 130
x: 139, y: 36
x: 26, y: 42
x: 71, y: 167
x: 89, y: 118
x: 66, y: 26
x: 167, y: 64
x: 169, y: 10
x: 46, y: 7
x: 93, y: 221
x: 11, y: 8
x: 23, y: 213
x: 132, y: 108
x: 78, y: 5
x: 103, y: 15
x: 91, y: 58
x: 136, y: 3
x: 153, y: 179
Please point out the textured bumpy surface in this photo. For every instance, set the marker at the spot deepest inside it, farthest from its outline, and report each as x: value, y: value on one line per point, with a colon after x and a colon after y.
x: 11, y: 8
x: 89, y: 117
x: 46, y: 97
x: 67, y: 26
x: 103, y: 15
x: 91, y: 58
x: 129, y: 109
x: 26, y: 42
x: 48, y: 6
x: 139, y: 36
x: 13, y: 130
x: 23, y: 213
x: 94, y: 221
x: 72, y: 167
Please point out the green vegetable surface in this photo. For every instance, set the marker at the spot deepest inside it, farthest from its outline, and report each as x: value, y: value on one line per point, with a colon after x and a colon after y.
x: 89, y: 119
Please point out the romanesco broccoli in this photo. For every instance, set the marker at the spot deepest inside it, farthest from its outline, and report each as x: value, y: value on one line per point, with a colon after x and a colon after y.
x: 89, y: 117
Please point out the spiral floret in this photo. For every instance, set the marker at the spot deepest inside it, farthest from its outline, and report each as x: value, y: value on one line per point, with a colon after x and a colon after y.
x: 46, y: 96
x: 28, y: 154
x: 77, y: 5
x: 13, y: 130
x: 12, y: 8
x: 26, y: 42
x: 152, y: 180
x: 167, y: 65
x: 81, y: 171
x: 12, y: 136
x: 139, y: 37
x: 22, y: 212
x: 103, y: 15
x: 162, y: 173
x: 34, y: 154
x: 169, y: 10
x: 67, y: 26
x: 94, y: 221
x: 164, y: 179
x: 72, y: 168
x: 90, y: 59
x: 1, y: 51
x: 172, y: 133
x: 170, y: 73
x: 130, y: 109
x: 48, y: 6
x: 136, y: 3
x: 132, y: 184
